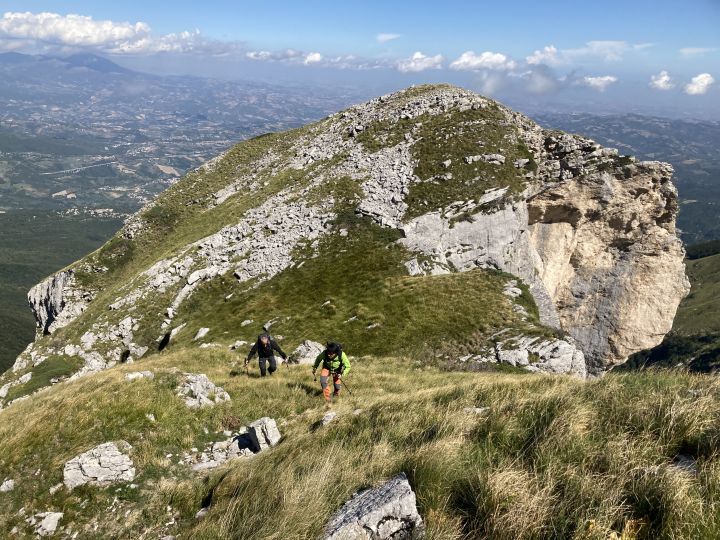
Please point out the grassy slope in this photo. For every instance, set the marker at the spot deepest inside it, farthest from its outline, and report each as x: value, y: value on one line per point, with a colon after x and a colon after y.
x: 35, y: 244
x: 553, y: 457
x: 700, y: 311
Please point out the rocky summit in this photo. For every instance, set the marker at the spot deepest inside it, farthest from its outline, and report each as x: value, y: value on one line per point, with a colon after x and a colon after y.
x: 432, y: 221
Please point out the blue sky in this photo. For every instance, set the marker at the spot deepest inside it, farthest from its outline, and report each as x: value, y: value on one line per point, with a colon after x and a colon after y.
x: 631, y: 54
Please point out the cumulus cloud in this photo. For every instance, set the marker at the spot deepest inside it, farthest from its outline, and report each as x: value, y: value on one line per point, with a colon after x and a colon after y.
x: 312, y: 58
x: 469, y: 61
x: 419, y: 62
x: 383, y: 38
x: 548, y: 55
x: 696, y: 51
x: 662, y: 81
x: 598, y: 83
x: 699, y: 84
x: 51, y: 31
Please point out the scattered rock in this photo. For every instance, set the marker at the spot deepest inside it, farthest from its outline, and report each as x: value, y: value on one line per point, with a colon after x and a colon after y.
x: 139, y: 375
x: 388, y: 511
x: 263, y: 434
x: 100, y: 466
x: 54, y: 489
x: 306, y: 353
x: 199, y: 391
x: 329, y: 417
x: 201, y: 513
x: 7, y: 485
x: 246, y: 322
x: 48, y: 522
x: 201, y: 333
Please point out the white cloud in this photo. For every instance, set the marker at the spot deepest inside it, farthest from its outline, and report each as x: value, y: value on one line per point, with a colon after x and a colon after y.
x: 609, y: 51
x: 277, y: 56
x: 312, y: 58
x: 548, y: 55
x: 662, y: 81
x: 470, y: 61
x: 51, y: 31
x: 598, y: 83
x: 383, y: 38
x: 696, y: 51
x: 606, y: 50
x: 419, y: 62
x: 699, y: 84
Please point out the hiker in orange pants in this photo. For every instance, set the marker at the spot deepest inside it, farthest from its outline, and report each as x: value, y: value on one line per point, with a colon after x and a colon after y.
x: 334, y: 361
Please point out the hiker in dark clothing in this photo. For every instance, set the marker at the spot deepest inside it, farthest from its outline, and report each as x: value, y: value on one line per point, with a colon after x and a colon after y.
x: 264, y: 347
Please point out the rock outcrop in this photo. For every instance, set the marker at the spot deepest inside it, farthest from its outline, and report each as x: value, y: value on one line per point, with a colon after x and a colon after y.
x: 57, y: 301
x: 103, y: 465
x: 386, y: 512
x: 264, y: 434
x: 306, y: 353
x: 198, y: 391
x: 45, y: 523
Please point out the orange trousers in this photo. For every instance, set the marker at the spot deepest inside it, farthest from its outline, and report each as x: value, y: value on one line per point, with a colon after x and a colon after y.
x: 324, y: 374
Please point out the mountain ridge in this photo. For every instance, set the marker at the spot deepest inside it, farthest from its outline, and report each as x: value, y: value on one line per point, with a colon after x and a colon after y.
x: 433, y: 183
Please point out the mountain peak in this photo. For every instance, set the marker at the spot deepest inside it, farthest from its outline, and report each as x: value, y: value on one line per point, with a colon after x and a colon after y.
x: 431, y: 221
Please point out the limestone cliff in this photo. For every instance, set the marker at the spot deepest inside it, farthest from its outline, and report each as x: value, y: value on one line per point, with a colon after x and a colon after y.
x: 460, y: 182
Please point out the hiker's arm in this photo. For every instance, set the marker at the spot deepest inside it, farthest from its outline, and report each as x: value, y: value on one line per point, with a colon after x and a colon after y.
x: 318, y: 360
x: 346, y: 364
x: 252, y: 352
x: 276, y: 347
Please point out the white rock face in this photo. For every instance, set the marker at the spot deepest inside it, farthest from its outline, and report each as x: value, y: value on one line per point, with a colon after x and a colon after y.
x: 199, y: 391
x: 56, y: 301
x: 388, y: 511
x: 103, y: 465
x: 264, y: 434
x: 306, y: 353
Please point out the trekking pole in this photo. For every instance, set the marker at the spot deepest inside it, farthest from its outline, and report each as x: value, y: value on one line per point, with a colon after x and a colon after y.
x: 345, y: 385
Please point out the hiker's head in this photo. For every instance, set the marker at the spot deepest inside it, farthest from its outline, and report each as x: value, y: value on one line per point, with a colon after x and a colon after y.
x: 264, y: 338
x: 332, y: 349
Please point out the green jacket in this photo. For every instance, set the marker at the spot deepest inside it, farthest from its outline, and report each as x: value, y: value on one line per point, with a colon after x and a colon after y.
x: 333, y: 364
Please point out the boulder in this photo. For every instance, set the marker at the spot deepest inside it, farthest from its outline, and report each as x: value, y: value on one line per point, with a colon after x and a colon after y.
x: 48, y: 522
x: 388, y: 511
x: 7, y: 485
x: 139, y: 375
x: 263, y: 434
x: 199, y: 391
x: 306, y: 353
x: 201, y: 333
x: 329, y: 417
x: 103, y: 465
